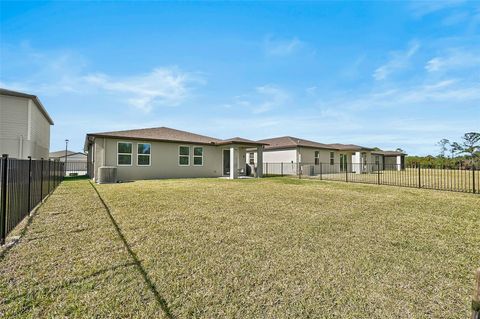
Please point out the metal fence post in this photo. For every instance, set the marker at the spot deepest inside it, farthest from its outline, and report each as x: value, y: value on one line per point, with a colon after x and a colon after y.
x: 49, y: 176
x: 378, y: 173
x: 321, y: 171
x: 473, y: 178
x: 29, y: 182
x: 346, y: 175
x: 41, y: 179
x: 281, y: 167
x: 3, y: 217
x: 419, y: 177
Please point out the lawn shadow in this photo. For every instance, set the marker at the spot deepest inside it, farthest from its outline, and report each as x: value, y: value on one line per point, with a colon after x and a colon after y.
x: 151, y: 285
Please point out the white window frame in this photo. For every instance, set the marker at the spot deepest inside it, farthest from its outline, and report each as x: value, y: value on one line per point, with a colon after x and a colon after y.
x: 188, y: 156
x: 332, y: 158
x: 193, y: 154
x: 149, y: 156
x: 316, y: 156
x: 131, y: 154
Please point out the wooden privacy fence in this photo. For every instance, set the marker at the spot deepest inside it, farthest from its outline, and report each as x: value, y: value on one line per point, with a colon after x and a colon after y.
x: 457, y: 179
x: 24, y: 183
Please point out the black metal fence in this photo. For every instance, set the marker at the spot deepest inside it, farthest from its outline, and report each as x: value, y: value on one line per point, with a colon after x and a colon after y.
x: 76, y: 168
x: 23, y: 185
x: 457, y: 179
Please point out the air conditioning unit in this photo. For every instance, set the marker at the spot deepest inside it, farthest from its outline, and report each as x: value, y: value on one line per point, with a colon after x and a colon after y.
x: 107, y: 174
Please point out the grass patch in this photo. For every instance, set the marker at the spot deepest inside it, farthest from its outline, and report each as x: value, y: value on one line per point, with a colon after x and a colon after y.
x: 275, y: 247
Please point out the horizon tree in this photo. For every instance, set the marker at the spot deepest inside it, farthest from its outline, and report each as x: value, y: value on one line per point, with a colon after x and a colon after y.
x: 443, y: 143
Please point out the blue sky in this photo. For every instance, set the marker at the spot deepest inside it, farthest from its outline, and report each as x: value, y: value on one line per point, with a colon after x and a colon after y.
x: 386, y: 74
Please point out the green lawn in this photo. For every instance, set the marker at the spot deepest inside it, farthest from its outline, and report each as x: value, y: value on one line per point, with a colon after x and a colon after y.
x: 268, y: 248
x: 430, y: 178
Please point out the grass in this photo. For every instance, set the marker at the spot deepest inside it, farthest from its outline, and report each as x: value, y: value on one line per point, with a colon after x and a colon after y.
x: 270, y: 248
x: 430, y: 178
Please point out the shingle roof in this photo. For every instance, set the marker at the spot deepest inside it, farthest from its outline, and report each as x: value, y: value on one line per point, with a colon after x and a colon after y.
x: 239, y: 140
x: 290, y: 142
x: 58, y: 154
x: 171, y: 135
x: 29, y: 96
x: 349, y: 147
x: 388, y: 153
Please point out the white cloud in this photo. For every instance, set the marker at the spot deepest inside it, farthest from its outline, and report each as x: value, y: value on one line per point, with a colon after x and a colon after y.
x: 54, y: 73
x: 454, y: 60
x: 422, y: 8
x: 455, y: 18
x: 282, y: 47
x: 398, y: 61
x: 162, y: 86
x: 264, y: 98
x: 272, y: 97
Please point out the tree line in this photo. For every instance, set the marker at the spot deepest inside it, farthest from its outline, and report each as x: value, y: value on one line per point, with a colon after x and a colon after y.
x: 464, y: 153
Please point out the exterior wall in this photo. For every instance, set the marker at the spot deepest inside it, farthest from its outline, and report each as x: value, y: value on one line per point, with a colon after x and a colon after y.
x: 13, y: 125
x: 272, y: 162
x: 24, y: 131
x: 359, y: 165
x: 39, y: 129
x: 307, y: 157
x: 279, y: 156
x: 74, y: 158
x: 163, y: 160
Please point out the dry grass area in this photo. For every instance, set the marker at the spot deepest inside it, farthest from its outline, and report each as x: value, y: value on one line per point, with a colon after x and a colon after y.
x: 270, y: 248
x: 430, y: 178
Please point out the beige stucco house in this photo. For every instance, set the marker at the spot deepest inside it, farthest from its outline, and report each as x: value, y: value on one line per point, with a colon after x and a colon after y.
x: 24, y: 126
x: 291, y: 155
x: 163, y: 152
x: 71, y: 156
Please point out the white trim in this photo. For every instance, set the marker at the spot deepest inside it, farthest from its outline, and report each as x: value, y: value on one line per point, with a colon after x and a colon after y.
x: 178, y: 159
x: 316, y: 157
x: 131, y: 154
x: 193, y: 154
x: 149, y: 156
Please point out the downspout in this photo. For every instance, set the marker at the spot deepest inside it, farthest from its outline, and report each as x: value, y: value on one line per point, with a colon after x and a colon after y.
x: 104, y: 152
x: 20, y: 147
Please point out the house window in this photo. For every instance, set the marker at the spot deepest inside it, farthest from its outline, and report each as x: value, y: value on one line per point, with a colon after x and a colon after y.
x: 317, y: 157
x: 184, y: 155
x: 377, y: 159
x: 124, y: 154
x: 143, y: 154
x: 332, y: 158
x: 198, y: 156
x: 251, y: 158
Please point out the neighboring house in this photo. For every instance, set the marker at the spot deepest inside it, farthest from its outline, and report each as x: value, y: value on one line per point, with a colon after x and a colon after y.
x: 306, y: 156
x: 168, y: 153
x: 391, y: 160
x: 24, y: 126
x: 71, y: 156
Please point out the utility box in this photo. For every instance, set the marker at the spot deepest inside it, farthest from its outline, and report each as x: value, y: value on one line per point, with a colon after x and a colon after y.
x: 107, y: 175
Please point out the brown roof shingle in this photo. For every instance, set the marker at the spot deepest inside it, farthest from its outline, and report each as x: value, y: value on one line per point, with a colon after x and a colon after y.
x: 388, y: 153
x: 291, y: 142
x: 167, y: 134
